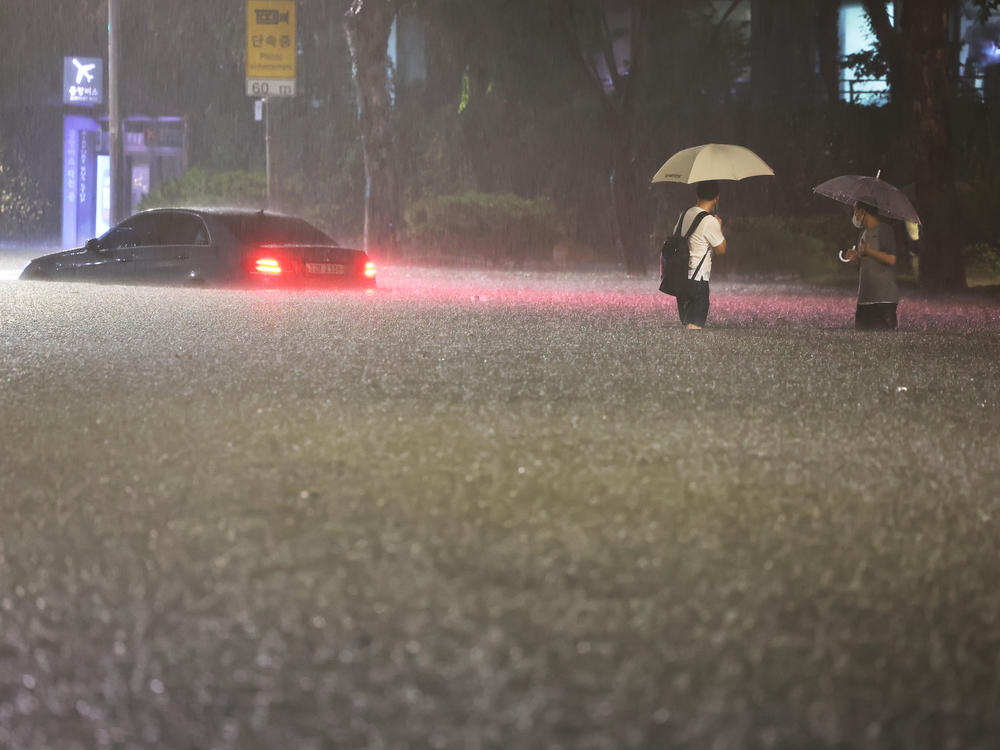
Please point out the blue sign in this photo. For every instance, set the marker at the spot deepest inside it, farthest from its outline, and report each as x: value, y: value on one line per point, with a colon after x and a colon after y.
x: 86, y: 184
x: 102, y: 218
x: 83, y: 81
x: 81, y: 142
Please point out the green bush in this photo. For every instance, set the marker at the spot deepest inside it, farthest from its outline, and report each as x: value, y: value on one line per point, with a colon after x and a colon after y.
x: 496, y: 228
x: 197, y: 187
x: 982, y: 260
x: 976, y: 221
x: 772, y: 247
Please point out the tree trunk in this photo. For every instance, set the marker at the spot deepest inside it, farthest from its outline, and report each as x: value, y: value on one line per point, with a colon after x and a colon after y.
x: 620, y: 112
x: 893, y: 35
x: 367, y: 25
x: 785, y: 90
x: 941, y: 264
x: 581, y: 21
x: 783, y: 52
x: 625, y: 195
x: 827, y: 47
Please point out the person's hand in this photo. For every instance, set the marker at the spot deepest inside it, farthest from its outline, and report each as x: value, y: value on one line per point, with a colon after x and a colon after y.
x: 851, y: 254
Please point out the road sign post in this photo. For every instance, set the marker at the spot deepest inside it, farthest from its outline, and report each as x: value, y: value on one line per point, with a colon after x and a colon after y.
x: 114, y: 113
x: 271, y: 51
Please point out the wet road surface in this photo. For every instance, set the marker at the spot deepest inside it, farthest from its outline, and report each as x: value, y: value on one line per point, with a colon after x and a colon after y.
x: 495, y: 510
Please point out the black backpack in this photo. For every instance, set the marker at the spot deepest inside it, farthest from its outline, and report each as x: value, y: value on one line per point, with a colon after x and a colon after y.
x: 674, y: 257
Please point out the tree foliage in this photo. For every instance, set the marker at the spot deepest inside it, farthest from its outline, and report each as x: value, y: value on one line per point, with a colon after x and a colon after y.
x: 22, y: 206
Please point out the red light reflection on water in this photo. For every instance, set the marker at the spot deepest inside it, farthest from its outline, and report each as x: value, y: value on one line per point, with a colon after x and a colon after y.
x: 733, y: 305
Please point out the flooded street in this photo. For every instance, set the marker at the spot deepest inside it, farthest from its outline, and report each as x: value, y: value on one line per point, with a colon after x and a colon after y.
x: 495, y: 510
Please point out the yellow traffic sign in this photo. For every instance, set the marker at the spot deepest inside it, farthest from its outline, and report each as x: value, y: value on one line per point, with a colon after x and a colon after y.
x: 271, y: 47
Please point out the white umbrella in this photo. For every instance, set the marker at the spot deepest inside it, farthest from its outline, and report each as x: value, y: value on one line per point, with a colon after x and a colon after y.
x: 712, y: 161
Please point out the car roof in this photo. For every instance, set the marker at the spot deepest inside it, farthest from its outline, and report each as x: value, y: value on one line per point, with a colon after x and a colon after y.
x: 214, y: 215
x: 219, y: 211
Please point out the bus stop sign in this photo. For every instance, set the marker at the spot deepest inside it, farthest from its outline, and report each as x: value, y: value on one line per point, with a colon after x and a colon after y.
x: 83, y: 81
x: 271, y: 48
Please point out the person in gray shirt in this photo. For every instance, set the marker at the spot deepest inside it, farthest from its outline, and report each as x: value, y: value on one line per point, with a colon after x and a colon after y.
x: 878, y: 293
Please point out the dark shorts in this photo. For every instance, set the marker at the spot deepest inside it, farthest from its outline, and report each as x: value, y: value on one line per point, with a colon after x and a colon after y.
x: 880, y: 316
x: 692, y: 304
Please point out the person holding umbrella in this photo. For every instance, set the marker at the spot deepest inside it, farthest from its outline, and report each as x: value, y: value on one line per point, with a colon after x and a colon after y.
x: 874, y: 200
x: 875, y: 253
x: 703, y: 166
x: 707, y: 238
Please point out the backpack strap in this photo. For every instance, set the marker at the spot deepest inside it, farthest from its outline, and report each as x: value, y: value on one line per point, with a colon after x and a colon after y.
x: 698, y: 267
x: 694, y: 225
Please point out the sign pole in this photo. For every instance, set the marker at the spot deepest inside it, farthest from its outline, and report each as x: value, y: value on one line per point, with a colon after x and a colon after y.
x: 267, y: 148
x: 114, y: 115
x: 270, y: 62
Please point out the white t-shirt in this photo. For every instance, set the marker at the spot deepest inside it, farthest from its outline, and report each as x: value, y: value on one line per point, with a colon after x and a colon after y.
x: 708, y: 234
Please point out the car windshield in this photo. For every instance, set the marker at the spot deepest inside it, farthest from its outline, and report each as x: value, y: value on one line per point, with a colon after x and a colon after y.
x: 274, y: 230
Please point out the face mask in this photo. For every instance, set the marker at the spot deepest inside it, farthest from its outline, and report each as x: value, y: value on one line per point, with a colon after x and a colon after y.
x: 858, y: 224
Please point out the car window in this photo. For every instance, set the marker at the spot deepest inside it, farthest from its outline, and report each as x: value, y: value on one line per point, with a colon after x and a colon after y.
x: 258, y: 229
x: 180, y: 229
x: 117, y: 236
x: 134, y: 232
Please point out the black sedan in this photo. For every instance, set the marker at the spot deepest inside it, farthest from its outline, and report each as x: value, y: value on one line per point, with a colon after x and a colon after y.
x: 213, y: 247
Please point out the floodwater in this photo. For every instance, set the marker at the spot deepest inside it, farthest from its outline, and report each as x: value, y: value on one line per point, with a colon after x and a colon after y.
x: 495, y: 510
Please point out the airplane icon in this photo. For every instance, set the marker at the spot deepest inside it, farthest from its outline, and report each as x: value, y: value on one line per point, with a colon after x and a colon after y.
x: 83, y: 71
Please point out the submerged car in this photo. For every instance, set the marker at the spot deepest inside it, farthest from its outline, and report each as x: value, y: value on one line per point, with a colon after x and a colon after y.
x: 210, y: 247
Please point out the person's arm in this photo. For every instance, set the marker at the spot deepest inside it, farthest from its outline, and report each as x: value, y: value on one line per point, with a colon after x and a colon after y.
x: 885, y: 258
x: 714, y: 237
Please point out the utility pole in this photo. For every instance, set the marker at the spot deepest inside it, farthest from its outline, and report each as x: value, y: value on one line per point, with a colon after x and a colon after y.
x: 114, y: 114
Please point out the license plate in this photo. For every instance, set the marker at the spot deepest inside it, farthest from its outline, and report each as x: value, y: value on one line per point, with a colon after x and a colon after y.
x: 327, y: 268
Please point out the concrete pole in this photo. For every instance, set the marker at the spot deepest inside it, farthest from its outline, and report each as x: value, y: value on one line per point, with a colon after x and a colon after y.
x: 114, y: 115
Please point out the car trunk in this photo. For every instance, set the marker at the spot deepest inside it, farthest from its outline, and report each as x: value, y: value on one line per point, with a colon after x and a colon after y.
x: 308, y: 262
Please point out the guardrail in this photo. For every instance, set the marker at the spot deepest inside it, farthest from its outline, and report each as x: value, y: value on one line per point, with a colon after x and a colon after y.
x: 875, y: 91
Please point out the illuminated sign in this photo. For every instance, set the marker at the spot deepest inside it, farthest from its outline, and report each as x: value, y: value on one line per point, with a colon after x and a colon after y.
x: 102, y: 196
x: 271, y: 47
x: 81, y: 143
x: 163, y: 133
x: 83, y: 81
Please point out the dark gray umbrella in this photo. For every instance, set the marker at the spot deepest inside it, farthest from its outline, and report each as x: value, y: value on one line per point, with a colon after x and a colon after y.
x: 852, y: 188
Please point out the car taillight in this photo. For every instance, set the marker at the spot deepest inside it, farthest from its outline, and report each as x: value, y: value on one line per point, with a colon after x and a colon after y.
x: 269, y: 266
x: 369, y: 270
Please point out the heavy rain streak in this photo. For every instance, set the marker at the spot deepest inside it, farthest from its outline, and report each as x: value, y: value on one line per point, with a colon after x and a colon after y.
x: 341, y: 407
